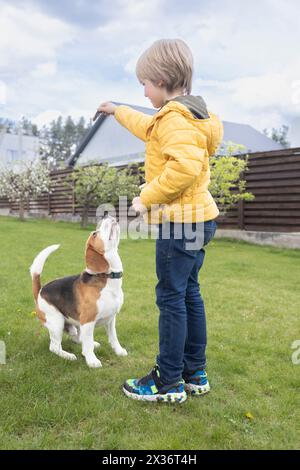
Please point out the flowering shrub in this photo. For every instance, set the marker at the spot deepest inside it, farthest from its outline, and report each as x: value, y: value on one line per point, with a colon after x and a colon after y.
x: 227, y: 185
x: 30, y: 181
x: 101, y: 184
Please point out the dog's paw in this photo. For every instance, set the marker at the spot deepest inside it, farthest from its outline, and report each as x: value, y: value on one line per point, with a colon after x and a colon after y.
x: 96, y: 345
x: 64, y: 354
x: 70, y: 356
x: 121, y: 352
x: 93, y: 362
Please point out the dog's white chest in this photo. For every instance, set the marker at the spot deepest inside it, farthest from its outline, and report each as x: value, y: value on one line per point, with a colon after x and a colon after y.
x: 110, y: 301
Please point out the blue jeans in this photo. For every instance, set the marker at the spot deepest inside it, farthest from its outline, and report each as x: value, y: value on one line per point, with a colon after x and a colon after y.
x: 182, y: 321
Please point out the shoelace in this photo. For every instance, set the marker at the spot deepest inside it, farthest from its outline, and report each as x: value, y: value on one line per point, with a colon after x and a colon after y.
x: 152, y: 375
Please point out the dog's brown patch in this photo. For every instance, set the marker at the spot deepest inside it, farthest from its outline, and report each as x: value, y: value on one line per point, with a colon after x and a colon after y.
x: 40, y: 314
x: 94, y: 254
x: 88, y: 294
x: 75, y: 296
x: 62, y: 294
x: 36, y: 285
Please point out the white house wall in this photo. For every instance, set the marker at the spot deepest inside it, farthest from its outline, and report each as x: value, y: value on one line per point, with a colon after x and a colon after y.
x: 109, y: 143
x: 16, y: 148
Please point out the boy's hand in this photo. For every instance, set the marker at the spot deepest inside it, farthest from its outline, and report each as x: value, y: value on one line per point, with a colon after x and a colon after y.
x: 138, y: 206
x: 107, y: 108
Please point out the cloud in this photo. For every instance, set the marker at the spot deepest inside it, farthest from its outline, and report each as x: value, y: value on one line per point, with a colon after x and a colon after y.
x: 87, y: 14
x: 46, y: 69
x: 28, y: 37
x: 46, y: 117
x: 69, y: 95
x: 2, y: 93
x: 269, y: 96
x: 67, y: 57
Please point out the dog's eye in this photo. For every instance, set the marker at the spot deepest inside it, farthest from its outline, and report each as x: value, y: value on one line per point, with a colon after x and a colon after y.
x: 94, y: 234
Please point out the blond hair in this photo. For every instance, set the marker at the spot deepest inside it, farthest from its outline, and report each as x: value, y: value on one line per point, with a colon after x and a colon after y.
x: 169, y: 61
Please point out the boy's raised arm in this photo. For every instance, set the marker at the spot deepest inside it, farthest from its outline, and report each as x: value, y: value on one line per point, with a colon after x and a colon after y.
x: 135, y: 121
x: 181, y: 145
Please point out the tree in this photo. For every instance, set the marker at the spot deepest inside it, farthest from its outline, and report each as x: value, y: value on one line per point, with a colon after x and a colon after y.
x: 93, y: 185
x: 226, y: 177
x: 51, y: 142
x: 278, y: 135
x: 7, y: 124
x: 12, y: 127
x: 127, y: 184
x: 29, y: 182
x: 28, y: 127
x: 101, y: 184
x: 60, y: 138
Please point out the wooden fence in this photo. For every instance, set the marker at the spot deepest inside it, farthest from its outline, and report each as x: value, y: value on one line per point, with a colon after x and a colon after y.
x: 273, y: 177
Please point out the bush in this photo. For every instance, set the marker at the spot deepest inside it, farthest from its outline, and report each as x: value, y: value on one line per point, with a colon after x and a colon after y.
x: 227, y: 185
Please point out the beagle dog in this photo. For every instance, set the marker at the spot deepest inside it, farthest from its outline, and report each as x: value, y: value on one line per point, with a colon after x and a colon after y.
x: 76, y: 304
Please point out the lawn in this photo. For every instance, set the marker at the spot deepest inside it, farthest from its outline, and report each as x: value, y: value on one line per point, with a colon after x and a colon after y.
x: 252, y: 302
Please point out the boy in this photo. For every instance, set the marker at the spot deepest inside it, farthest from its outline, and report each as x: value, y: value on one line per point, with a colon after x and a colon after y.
x: 179, y: 138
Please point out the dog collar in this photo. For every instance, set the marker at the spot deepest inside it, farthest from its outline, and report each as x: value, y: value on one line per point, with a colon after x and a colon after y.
x: 113, y: 275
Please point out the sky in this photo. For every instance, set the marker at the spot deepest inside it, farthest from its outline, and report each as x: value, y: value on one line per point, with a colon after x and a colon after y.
x: 66, y: 57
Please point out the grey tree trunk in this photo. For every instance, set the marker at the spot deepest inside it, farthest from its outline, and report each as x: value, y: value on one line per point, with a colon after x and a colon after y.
x: 84, y: 216
x: 22, y: 210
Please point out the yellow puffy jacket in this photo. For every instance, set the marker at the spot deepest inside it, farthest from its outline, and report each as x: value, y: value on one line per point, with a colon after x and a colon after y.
x: 177, y: 173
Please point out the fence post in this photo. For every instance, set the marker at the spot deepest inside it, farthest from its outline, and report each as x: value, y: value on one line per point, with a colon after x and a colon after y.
x: 49, y: 203
x: 241, y: 208
x: 241, y: 224
x: 73, y: 198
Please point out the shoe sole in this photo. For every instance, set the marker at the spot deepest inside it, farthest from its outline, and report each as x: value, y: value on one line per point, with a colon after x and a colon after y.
x: 166, y: 398
x: 197, y: 390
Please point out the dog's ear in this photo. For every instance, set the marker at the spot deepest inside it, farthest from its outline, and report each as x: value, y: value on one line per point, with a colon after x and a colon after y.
x: 94, y: 255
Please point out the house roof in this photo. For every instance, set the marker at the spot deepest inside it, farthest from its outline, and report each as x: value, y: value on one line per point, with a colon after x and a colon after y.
x: 247, y: 135
x: 115, y: 127
x: 100, y: 143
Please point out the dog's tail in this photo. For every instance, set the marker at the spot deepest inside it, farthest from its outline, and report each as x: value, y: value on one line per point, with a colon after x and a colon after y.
x: 37, y: 267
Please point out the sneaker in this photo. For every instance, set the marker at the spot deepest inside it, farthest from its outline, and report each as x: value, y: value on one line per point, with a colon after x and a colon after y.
x: 150, y: 388
x: 196, y: 382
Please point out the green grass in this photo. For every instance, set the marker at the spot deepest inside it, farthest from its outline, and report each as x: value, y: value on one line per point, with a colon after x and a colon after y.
x: 252, y: 301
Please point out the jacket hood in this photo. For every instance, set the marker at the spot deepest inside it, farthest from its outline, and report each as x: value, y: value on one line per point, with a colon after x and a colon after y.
x: 195, y: 104
x: 194, y: 109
